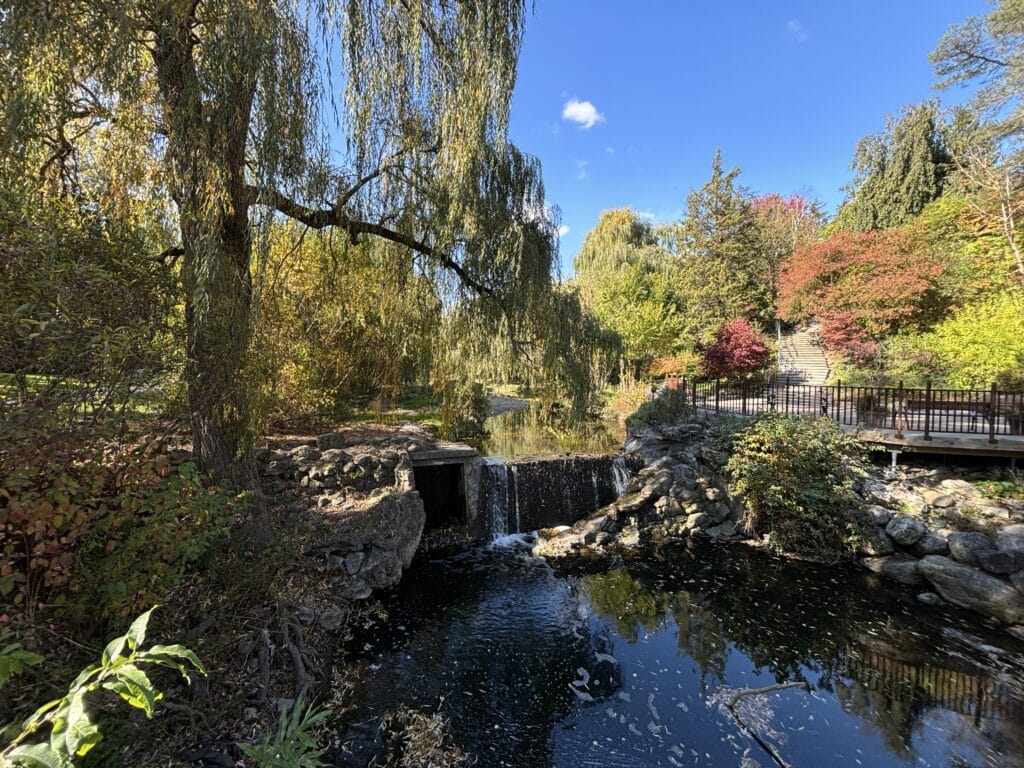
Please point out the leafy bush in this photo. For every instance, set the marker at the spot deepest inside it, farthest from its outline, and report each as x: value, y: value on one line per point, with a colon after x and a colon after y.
x: 682, y: 364
x: 14, y: 659
x: 104, y: 525
x: 293, y: 745
x: 72, y: 731
x: 739, y: 349
x: 795, y: 478
x: 669, y: 405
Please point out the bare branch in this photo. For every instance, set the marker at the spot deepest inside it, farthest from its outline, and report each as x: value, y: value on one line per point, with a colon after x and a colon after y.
x: 320, y: 218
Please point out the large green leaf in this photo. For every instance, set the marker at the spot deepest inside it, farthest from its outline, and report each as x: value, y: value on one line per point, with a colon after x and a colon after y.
x: 166, y: 655
x: 137, y: 631
x: 34, y: 756
x: 134, y: 686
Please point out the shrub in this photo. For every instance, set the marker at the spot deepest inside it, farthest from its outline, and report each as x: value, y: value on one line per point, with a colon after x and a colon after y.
x: 105, y: 526
x: 795, y: 478
x: 739, y: 349
x: 686, y: 363
x: 120, y: 669
x: 626, y: 400
x: 668, y: 406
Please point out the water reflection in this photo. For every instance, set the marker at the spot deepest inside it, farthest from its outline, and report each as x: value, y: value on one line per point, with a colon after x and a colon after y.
x: 628, y: 665
x: 533, y: 432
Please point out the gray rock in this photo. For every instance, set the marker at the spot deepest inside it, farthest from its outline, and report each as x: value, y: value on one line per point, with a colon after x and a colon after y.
x: 961, y: 487
x: 305, y: 615
x: 876, y: 542
x: 881, y: 515
x: 899, y: 567
x: 965, y: 546
x: 1001, y: 561
x: 629, y: 537
x: 1017, y: 579
x: 354, y: 561
x: 1011, y: 537
x: 929, y: 598
x: 905, y: 530
x: 589, y: 530
x: 332, y: 618
x: 713, y: 494
x: 930, y: 544
x: 973, y: 589
x: 356, y: 590
x: 939, y: 500
x: 722, y: 531
x: 878, y: 492
x: 697, y: 520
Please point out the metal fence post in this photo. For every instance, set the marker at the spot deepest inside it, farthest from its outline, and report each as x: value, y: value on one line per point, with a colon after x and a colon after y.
x: 718, y: 394
x: 743, y: 397
x: 927, y: 409
x: 897, y: 421
x: 992, y: 410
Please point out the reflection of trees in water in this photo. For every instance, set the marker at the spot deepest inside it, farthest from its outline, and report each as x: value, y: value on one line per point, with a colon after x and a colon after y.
x: 886, y: 667
x: 534, y: 431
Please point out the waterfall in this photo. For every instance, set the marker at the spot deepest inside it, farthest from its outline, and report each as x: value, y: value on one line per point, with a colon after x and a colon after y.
x: 497, y: 493
x: 620, y: 475
x: 513, y: 496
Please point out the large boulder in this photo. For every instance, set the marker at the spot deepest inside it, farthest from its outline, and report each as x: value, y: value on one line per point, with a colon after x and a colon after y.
x: 1011, y: 537
x: 966, y: 546
x: 973, y: 589
x: 1001, y: 561
x: 905, y: 530
x: 930, y: 544
x: 899, y: 567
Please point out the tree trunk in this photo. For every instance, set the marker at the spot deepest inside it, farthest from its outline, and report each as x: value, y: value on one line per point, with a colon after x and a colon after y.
x: 218, y: 292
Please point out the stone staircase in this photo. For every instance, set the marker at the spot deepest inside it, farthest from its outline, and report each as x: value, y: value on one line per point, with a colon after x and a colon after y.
x: 801, y: 360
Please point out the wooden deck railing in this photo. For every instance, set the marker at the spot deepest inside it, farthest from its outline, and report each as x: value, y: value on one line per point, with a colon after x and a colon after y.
x: 928, y: 410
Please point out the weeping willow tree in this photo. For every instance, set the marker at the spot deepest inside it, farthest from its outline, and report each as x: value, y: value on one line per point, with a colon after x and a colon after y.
x: 379, y: 118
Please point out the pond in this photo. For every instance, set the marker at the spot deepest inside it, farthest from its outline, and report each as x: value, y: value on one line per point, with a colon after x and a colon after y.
x: 636, y: 663
x: 528, y: 432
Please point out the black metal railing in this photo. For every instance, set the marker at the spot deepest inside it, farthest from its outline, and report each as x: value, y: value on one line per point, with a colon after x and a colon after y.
x: 927, y: 410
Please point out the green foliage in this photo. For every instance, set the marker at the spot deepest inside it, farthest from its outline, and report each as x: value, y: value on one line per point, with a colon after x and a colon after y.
x: 724, y: 272
x: 666, y: 407
x: 898, y: 172
x: 984, y: 342
x: 120, y: 670
x: 794, y: 476
x: 464, y: 408
x: 985, y: 50
x: 98, y: 527
x: 293, y: 745
x: 14, y: 658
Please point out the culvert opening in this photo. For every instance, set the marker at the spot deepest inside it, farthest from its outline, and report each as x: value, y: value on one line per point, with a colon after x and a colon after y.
x: 444, y: 497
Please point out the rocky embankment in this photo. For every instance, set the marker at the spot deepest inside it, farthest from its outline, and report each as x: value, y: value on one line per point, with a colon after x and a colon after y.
x: 361, y: 481
x: 927, y: 528
x: 678, y: 492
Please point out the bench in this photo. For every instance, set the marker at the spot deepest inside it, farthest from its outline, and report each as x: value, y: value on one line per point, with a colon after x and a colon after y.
x: 975, y: 408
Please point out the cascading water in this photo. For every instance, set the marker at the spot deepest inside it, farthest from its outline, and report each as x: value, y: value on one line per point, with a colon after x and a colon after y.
x: 497, y: 497
x: 620, y: 475
x: 544, y: 492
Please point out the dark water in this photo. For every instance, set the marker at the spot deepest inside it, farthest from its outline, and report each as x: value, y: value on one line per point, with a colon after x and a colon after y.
x: 529, y: 432
x: 631, y: 665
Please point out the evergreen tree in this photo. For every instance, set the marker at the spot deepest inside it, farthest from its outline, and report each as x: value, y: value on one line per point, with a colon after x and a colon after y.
x: 898, y: 172
x: 723, y: 273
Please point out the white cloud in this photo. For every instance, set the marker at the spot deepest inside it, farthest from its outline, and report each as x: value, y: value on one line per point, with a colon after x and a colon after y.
x: 583, y: 113
x: 563, y: 230
x: 796, y: 30
x: 581, y: 170
x: 610, y: 150
x: 645, y: 215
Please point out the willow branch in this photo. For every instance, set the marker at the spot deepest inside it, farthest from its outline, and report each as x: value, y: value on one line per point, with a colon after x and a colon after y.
x: 335, y: 216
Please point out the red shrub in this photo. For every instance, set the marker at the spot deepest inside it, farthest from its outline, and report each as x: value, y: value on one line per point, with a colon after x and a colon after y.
x: 738, y: 349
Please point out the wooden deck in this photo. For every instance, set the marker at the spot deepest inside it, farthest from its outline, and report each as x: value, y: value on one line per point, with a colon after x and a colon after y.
x: 950, y: 444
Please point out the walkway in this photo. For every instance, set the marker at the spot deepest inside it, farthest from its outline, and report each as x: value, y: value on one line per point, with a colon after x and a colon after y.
x: 800, y: 358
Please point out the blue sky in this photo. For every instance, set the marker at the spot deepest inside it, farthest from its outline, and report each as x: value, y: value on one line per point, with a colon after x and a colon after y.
x: 784, y: 88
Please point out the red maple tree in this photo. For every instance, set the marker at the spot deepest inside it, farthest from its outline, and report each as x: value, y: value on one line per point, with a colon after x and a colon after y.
x: 738, y: 349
